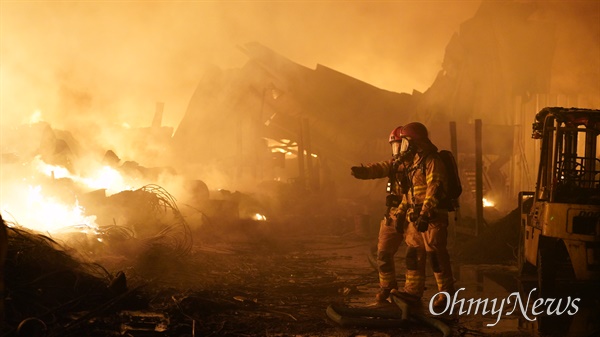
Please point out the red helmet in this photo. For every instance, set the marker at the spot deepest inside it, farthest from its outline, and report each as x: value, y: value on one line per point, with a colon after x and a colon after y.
x: 414, y: 131
x: 396, y: 134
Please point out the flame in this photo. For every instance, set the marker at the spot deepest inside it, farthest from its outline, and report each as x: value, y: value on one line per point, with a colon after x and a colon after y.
x: 487, y: 203
x: 50, y: 170
x: 34, y: 207
x: 36, y: 117
x: 46, y: 214
x: 259, y: 217
x: 105, y: 177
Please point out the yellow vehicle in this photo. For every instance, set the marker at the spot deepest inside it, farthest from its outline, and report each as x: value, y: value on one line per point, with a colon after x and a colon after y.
x: 560, y: 221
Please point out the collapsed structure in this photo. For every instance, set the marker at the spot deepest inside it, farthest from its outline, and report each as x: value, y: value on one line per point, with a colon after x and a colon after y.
x: 275, y: 125
x: 275, y: 120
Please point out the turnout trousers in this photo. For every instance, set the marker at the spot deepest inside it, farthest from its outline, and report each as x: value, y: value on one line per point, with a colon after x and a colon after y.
x: 388, y: 242
x: 432, y: 245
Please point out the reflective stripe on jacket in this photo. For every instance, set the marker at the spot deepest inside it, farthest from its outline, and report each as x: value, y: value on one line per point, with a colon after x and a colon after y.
x: 428, y: 179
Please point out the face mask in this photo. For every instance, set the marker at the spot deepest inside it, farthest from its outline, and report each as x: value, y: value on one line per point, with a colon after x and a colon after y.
x: 404, y: 145
x: 400, y: 148
x: 395, y: 148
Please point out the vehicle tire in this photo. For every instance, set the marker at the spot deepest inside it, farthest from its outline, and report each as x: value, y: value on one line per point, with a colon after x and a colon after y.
x: 526, y: 271
x: 546, y: 272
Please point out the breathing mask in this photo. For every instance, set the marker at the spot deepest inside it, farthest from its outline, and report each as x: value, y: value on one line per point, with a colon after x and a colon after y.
x: 401, y: 148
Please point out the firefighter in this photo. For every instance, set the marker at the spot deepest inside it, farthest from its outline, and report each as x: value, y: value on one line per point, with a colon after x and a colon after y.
x: 392, y: 225
x: 422, y: 183
x: 427, y: 233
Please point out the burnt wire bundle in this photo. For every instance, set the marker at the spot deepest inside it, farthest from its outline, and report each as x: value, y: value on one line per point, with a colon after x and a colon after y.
x: 176, y: 233
x: 44, y: 279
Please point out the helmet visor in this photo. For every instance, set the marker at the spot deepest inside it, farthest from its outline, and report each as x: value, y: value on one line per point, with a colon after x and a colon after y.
x: 395, y: 148
x: 400, y: 146
x: 404, y: 145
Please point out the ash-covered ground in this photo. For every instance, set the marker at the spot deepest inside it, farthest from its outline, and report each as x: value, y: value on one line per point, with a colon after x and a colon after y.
x: 241, y: 278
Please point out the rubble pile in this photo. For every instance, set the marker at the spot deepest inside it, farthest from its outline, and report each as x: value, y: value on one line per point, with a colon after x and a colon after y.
x: 251, y: 288
x: 46, y: 281
x: 497, y: 243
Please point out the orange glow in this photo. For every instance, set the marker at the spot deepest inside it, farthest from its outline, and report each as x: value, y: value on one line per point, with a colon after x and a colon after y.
x: 487, y: 203
x: 57, y: 172
x: 46, y: 214
x: 35, y: 207
x: 105, y: 177
x: 36, y: 117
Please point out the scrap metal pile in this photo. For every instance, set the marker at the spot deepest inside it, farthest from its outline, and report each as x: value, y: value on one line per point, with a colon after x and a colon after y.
x: 59, y: 282
x: 250, y: 288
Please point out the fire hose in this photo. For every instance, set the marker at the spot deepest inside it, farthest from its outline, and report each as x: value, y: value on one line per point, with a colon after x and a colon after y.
x: 381, y: 318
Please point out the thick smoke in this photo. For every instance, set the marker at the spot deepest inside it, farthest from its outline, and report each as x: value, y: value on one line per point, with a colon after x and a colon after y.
x: 91, y: 67
x: 110, y: 62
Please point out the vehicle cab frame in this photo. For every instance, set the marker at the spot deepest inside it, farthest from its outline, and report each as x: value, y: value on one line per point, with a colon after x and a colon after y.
x: 560, y: 220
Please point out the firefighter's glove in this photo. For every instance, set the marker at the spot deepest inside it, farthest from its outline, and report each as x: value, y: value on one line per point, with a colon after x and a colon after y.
x: 360, y: 172
x: 400, y: 222
x: 422, y: 223
x: 412, y: 216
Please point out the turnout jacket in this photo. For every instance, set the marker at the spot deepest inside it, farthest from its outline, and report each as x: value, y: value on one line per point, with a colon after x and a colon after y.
x: 420, y: 182
x: 383, y: 169
x: 427, y: 175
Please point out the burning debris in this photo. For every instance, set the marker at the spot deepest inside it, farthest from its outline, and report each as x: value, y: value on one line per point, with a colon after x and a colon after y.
x: 98, y: 247
x: 149, y: 213
x: 44, y: 280
x: 62, y: 283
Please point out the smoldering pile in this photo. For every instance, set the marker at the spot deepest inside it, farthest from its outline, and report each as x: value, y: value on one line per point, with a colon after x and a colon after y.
x: 144, y: 227
x: 497, y: 243
x: 60, y: 284
x: 46, y: 282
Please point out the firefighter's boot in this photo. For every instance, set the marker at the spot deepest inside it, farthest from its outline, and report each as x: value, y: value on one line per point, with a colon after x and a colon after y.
x: 385, y: 291
x: 445, y: 284
x: 413, y: 287
x: 387, y: 275
x: 415, y: 275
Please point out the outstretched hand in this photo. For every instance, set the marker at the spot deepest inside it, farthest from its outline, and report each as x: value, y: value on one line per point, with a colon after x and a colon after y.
x: 359, y: 172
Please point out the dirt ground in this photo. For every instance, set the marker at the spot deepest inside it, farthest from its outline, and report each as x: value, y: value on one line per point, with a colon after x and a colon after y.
x: 272, y: 282
x: 259, y: 279
x: 279, y: 286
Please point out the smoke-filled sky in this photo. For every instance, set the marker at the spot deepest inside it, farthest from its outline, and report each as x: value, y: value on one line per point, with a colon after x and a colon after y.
x: 112, y: 61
